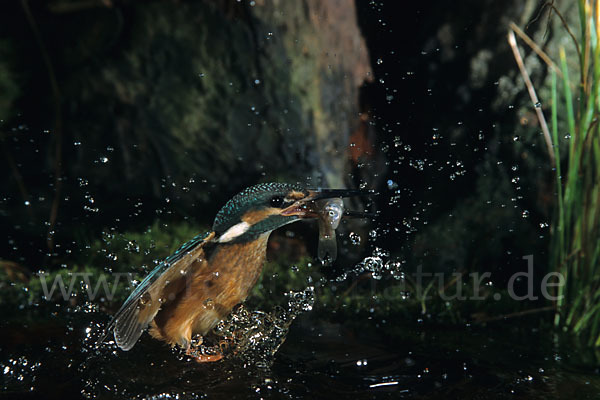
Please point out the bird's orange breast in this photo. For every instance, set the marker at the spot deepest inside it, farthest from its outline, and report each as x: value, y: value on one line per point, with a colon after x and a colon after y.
x: 213, y: 287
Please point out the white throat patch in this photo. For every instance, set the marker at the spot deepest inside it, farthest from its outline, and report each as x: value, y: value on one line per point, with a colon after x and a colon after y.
x: 234, y: 232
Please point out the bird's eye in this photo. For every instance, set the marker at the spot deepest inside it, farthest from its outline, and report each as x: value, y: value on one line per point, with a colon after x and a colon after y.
x: 277, y: 201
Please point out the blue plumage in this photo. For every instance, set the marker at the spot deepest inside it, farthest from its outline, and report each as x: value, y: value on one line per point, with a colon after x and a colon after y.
x: 163, y: 266
x: 235, y: 208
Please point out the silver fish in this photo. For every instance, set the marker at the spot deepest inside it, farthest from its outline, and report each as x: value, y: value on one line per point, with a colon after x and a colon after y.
x: 330, y: 212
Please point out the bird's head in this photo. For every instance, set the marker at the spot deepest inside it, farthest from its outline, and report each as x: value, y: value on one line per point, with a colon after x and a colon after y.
x: 265, y: 207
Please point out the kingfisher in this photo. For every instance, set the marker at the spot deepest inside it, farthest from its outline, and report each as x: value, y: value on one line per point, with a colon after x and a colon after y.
x: 196, y: 287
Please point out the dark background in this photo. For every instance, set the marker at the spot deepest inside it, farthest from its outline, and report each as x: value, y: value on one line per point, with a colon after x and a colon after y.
x: 441, y: 138
x: 155, y: 112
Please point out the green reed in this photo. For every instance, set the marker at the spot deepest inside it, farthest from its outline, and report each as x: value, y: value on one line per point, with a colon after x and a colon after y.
x: 576, y: 229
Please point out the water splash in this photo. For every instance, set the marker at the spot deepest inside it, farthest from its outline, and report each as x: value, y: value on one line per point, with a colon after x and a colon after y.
x: 378, y: 264
x: 254, y: 336
x: 15, y: 372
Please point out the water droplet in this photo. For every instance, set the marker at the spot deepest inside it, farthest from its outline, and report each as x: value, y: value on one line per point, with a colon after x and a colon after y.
x: 132, y: 246
x: 395, y: 268
x: 354, y: 238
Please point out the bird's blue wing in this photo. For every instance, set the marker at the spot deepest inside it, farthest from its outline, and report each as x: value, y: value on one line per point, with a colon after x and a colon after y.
x: 126, y: 323
x: 164, y: 265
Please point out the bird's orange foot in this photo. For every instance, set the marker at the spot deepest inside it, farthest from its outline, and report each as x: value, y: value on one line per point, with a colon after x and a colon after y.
x: 226, y: 344
x: 201, y: 357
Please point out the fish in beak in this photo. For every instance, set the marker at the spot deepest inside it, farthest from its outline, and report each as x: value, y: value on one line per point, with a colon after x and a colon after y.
x: 327, y: 206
